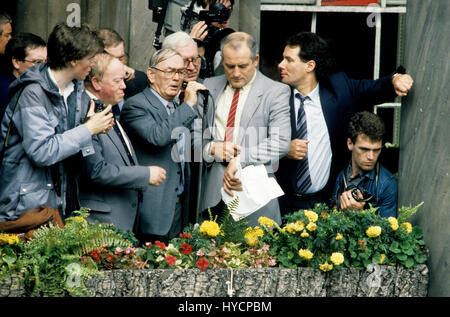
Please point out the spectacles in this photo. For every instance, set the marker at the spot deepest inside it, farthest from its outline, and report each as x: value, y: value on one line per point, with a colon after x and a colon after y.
x: 196, y: 61
x: 171, y: 72
x: 35, y: 62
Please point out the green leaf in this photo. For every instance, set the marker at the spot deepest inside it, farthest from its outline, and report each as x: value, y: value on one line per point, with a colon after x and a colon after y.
x: 402, y: 257
x: 420, y: 258
x: 9, y: 259
x: 409, y: 251
x: 409, y: 263
x: 290, y: 255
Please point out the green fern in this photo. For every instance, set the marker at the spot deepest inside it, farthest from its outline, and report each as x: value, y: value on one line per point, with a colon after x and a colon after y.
x: 233, y: 230
x: 404, y: 213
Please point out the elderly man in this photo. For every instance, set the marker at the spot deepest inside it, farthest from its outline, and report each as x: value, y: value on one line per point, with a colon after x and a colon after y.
x: 22, y: 52
x: 245, y: 101
x: 159, y: 129
x: 321, y: 106
x: 112, y: 181
x: 5, y: 31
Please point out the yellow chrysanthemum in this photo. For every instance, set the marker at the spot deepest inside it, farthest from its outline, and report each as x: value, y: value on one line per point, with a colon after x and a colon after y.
x: 324, y: 215
x: 264, y: 221
x: 210, y: 228
x: 337, y: 258
x: 72, y: 220
x: 326, y: 267
x: 294, y: 227
x: 407, y: 226
x: 373, y: 232
x: 382, y: 257
x: 306, y: 254
x: 304, y: 234
x: 311, y: 215
x: 8, y: 239
x: 394, y: 223
x: 311, y: 226
x: 251, y: 235
x: 339, y: 236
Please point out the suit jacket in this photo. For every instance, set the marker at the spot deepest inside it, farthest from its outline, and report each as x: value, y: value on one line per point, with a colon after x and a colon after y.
x: 110, y: 185
x: 264, y: 134
x: 341, y: 97
x: 150, y: 129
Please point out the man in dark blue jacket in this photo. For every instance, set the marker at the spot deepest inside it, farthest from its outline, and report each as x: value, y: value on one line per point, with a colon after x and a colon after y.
x: 321, y: 106
x: 365, y: 180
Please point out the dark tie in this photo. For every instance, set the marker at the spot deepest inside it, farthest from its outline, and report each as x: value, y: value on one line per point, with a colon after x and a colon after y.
x: 231, y: 116
x: 116, y: 112
x: 303, y: 179
x: 180, y: 146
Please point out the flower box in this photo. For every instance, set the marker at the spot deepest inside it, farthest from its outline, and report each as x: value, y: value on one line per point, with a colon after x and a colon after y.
x: 384, y: 281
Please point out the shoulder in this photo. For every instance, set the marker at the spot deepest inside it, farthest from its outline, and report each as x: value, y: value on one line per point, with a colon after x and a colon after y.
x: 386, y: 178
x: 212, y: 81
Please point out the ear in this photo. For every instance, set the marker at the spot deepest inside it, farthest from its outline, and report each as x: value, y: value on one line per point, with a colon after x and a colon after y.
x: 256, y: 61
x: 96, y: 84
x: 73, y: 63
x: 150, y: 75
x: 310, y: 66
x: 15, y: 63
x: 349, y: 144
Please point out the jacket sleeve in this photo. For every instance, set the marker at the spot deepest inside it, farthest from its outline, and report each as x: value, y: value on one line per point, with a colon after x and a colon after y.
x: 98, y: 168
x: 37, y: 128
x: 148, y: 126
x: 387, y: 199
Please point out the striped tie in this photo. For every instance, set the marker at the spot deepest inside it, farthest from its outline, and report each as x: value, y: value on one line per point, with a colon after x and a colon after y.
x: 231, y: 115
x: 303, y: 179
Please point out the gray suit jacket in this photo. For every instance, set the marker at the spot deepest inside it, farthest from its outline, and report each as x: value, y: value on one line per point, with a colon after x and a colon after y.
x: 150, y: 128
x: 264, y: 135
x: 110, y: 184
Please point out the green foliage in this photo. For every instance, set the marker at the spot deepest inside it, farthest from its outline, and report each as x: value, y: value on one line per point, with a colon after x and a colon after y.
x: 404, y: 213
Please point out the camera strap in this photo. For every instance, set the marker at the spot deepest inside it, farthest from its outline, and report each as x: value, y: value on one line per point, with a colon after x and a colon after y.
x: 354, y: 194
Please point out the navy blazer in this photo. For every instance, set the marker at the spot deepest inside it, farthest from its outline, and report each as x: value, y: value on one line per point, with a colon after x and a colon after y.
x: 341, y: 97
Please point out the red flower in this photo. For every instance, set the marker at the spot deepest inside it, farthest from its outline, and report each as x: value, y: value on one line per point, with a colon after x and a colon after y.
x: 109, y: 257
x: 186, y: 248
x: 170, y: 259
x: 95, y: 255
x: 162, y: 245
x: 186, y: 236
x: 362, y: 242
x: 202, y: 263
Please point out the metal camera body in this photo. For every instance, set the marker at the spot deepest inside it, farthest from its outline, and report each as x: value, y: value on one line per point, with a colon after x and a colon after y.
x: 354, y: 189
x: 216, y: 13
x: 99, y: 106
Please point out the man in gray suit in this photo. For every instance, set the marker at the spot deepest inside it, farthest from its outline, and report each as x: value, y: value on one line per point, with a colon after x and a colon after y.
x: 250, y: 124
x: 112, y: 181
x: 160, y: 131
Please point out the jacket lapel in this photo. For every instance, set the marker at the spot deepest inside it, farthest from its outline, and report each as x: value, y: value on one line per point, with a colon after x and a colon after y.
x: 112, y: 135
x: 329, y: 104
x: 155, y: 104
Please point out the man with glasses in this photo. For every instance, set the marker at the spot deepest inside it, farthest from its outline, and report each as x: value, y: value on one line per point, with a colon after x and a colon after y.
x: 22, y: 52
x: 159, y: 129
x: 5, y: 31
x: 365, y: 180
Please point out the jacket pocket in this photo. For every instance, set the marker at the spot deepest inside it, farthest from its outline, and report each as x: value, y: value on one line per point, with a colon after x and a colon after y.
x: 33, y: 196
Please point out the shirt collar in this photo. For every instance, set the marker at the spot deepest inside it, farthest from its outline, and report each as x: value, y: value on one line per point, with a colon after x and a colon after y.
x: 67, y: 90
x: 163, y: 101
x: 370, y: 174
x: 313, y: 95
x: 247, y: 86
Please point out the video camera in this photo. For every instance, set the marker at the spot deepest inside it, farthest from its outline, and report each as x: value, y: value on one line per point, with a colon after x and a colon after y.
x: 216, y: 13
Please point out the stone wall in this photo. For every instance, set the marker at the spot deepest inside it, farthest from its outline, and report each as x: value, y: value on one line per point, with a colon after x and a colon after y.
x: 380, y: 281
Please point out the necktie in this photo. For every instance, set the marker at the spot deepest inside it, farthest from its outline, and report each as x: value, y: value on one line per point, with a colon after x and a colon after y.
x: 303, y: 179
x: 180, y: 146
x: 116, y: 112
x: 231, y: 116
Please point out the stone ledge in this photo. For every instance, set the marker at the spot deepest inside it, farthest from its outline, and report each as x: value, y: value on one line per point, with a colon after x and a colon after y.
x: 383, y: 281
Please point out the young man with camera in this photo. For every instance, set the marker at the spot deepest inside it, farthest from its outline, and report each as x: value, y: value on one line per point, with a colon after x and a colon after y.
x: 365, y: 180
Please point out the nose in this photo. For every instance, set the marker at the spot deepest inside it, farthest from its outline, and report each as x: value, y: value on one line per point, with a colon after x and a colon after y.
x: 370, y: 155
x: 122, y: 85
x: 281, y: 64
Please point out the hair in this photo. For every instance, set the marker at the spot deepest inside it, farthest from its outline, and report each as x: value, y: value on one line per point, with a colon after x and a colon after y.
x: 162, y: 55
x: 366, y: 123
x: 4, y: 19
x: 66, y: 44
x: 313, y: 47
x: 17, y: 47
x: 100, y: 66
x: 235, y: 40
x: 110, y: 37
x: 178, y: 39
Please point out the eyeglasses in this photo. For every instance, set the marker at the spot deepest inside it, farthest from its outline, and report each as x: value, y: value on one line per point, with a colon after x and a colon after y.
x: 170, y: 73
x: 35, y: 62
x: 196, y: 61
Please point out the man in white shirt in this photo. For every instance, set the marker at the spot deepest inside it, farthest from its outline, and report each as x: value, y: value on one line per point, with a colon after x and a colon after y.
x: 113, y: 181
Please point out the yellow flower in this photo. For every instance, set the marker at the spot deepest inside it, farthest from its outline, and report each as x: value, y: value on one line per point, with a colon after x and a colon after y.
x: 394, y: 223
x: 339, y: 236
x: 306, y: 254
x: 210, y: 228
x: 382, y: 257
x: 304, y: 234
x: 8, y: 239
x: 294, y: 227
x: 251, y: 235
x: 326, y: 267
x: 311, y: 215
x: 311, y: 226
x: 337, y: 258
x: 324, y: 215
x: 264, y: 221
x: 72, y: 220
x: 373, y: 232
x: 407, y: 226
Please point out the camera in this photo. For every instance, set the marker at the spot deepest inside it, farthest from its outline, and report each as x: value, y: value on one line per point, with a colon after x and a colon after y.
x: 354, y: 189
x: 216, y: 13
x: 99, y: 106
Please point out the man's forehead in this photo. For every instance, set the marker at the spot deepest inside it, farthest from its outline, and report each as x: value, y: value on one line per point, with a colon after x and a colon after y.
x: 366, y: 141
x: 175, y: 61
x: 188, y: 51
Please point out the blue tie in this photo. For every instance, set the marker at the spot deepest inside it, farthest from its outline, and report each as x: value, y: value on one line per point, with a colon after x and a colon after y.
x: 180, y: 145
x: 303, y: 179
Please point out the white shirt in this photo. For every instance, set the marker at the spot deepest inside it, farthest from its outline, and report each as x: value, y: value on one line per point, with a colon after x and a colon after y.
x: 319, y: 147
x: 67, y: 90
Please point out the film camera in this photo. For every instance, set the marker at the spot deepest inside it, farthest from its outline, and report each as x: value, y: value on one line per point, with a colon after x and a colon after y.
x: 354, y: 190
x: 99, y: 106
x: 216, y: 13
